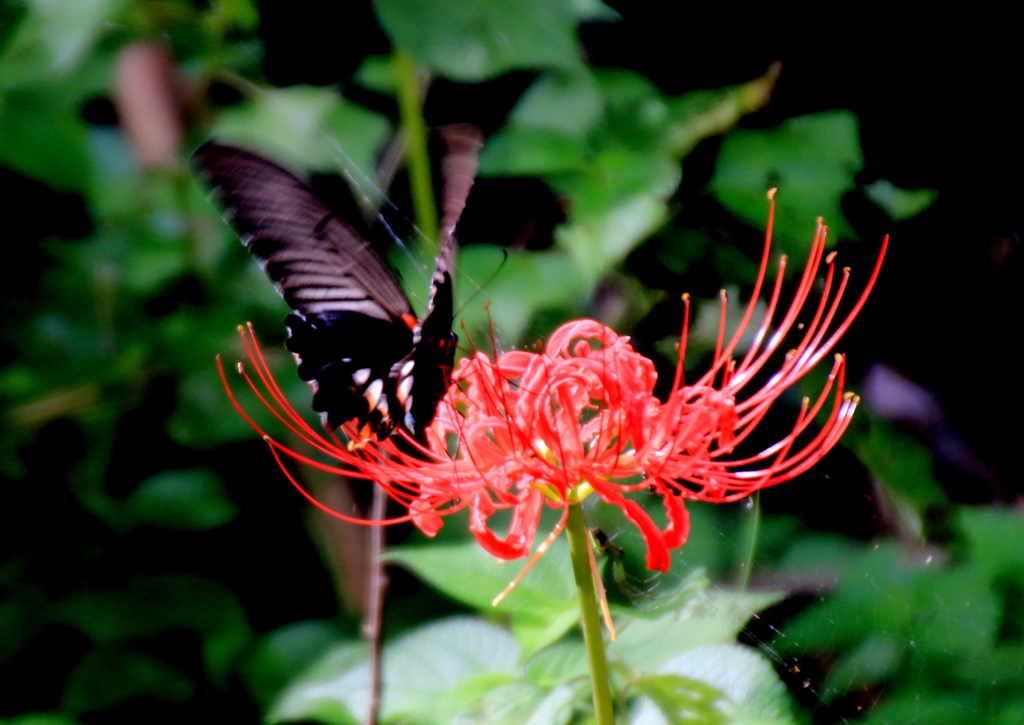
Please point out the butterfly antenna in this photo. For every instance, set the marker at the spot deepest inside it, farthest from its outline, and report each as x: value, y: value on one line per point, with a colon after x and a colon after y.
x: 481, y: 287
x: 490, y: 330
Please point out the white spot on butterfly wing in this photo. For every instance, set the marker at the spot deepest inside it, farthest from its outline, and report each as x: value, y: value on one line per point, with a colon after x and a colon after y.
x: 404, y: 388
x: 359, y: 377
x: 373, y: 391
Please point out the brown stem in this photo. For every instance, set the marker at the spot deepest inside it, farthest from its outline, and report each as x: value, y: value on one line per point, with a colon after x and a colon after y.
x: 375, y: 585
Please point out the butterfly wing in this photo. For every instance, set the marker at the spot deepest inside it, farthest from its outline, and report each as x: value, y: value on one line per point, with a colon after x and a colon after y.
x: 352, y: 322
x: 423, y: 376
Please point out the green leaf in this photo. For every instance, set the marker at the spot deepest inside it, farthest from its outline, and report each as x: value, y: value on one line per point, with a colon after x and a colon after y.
x: 620, y: 196
x: 53, y: 38
x: 711, y: 618
x: 900, y: 204
x: 957, y: 613
x: 519, y: 703
x: 870, y: 663
x: 471, y: 42
x: 242, y: 14
x: 562, y: 661
x: 377, y: 73
x: 822, y: 556
x: 1012, y: 713
x: 468, y: 574
x: 543, y: 604
x: 996, y: 539
x: 609, y: 217
x: 41, y: 718
x: 1002, y: 667
x: 186, y: 499
x: 421, y: 671
x: 811, y: 159
x: 753, y: 692
x: 876, y: 595
x: 934, y: 708
x: 567, y: 102
x: 110, y: 675
x: 610, y: 143
x: 429, y: 661
x: 284, y: 653
x: 330, y: 691
x: 531, y: 151
x: 681, y: 700
x: 43, y: 136
x: 901, y: 463
x: 153, y: 605
x: 697, y: 115
x: 593, y: 11
x: 537, y: 628
x: 635, y: 111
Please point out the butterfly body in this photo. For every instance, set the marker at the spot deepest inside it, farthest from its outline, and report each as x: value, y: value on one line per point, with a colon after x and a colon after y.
x: 355, y: 338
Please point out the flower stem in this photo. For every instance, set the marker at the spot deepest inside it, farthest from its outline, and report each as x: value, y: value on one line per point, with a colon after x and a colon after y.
x: 410, y: 109
x: 589, y: 617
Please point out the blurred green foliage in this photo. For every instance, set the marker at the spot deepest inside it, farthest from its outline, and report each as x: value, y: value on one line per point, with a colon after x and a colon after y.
x: 945, y: 638
x: 139, y: 570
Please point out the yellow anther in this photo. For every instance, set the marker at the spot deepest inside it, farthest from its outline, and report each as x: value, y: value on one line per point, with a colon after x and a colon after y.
x: 580, y: 492
x: 548, y: 490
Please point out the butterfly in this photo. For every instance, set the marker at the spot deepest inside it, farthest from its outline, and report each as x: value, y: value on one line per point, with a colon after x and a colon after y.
x: 352, y: 331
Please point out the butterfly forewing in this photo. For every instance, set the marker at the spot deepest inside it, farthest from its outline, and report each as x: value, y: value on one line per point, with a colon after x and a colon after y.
x: 318, y: 262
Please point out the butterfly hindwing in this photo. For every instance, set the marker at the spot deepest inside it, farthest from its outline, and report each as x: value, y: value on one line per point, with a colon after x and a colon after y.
x: 423, y: 376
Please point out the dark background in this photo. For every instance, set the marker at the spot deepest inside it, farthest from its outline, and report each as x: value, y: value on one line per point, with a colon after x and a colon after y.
x: 936, y: 102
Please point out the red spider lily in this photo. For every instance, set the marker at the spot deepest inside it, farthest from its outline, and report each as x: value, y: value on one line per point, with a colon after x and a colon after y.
x: 527, y: 429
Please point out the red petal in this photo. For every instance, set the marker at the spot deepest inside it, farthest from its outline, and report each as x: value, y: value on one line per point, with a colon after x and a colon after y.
x: 678, y: 528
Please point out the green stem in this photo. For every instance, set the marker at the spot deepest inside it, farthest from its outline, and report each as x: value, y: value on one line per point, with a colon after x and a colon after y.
x: 753, y: 529
x: 415, y: 129
x: 589, y: 617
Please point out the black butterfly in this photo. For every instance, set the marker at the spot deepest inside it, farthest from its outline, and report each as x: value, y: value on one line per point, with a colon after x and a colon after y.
x: 353, y: 331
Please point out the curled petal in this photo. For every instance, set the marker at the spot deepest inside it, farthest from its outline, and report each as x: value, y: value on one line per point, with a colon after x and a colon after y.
x: 519, y: 539
x: 678, y: 529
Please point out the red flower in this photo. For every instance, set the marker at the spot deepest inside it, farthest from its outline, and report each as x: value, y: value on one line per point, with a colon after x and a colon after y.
x: 532, y: 429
